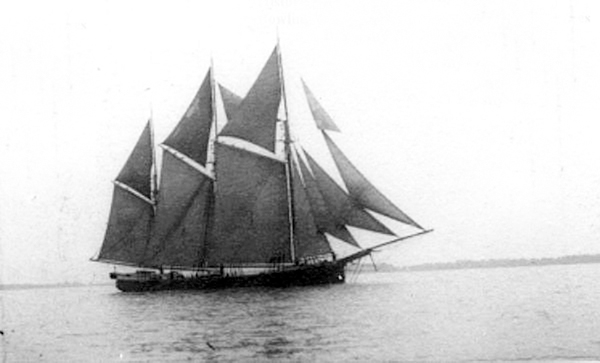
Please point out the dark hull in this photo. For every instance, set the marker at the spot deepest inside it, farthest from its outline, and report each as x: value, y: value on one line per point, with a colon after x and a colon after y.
x: 325, y: 273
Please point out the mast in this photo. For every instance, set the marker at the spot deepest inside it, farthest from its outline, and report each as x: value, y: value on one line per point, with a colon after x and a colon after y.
x: 153, y: 171
x: 211, y: 164
x: 288, y: 157
x: 210, y: 158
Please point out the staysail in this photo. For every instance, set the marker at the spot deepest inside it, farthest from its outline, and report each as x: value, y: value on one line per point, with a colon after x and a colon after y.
x: 325, y: 220
x: 231, y: 101
x: 309, y: 240
x: 341, y: 205
x: 321, y: 117
x: 132, y: 207
x: 362, y: 191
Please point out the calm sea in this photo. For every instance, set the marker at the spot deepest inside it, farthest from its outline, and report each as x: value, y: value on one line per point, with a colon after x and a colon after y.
x: 511, y: 314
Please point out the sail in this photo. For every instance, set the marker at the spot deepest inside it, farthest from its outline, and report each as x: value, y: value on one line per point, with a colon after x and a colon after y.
x: 128, y: 228
x: 132, y: 206
x: 179, y: 232
x: 326, y: 222
x: 137, y: 171
x: 321, y: 117
x: 191, y: 136
x: 256, y: 118
x: 340, y: 203
x: 231, y: 101
x: 309, y: 241
x: 251, y: 223
x: 362, y: 191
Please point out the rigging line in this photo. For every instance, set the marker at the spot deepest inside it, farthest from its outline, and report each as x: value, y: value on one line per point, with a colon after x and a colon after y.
x: 357, y: 271
x: 373, y: 262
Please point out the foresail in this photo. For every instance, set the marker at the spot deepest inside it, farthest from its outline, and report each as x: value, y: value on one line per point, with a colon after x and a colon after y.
x: 340, y: 204
x: 251, y: 223
x: 128, y: 228
x: 179, y: 232
x: 325, y: 221
x: 362, y: 191
x: 321, y: 117
x: 137, y: 171
x: 191, y: 135
x: 256, y: 118
x: 309, y: 241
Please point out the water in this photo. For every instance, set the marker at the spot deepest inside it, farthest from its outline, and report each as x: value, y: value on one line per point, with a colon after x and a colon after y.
x: 533, y: 313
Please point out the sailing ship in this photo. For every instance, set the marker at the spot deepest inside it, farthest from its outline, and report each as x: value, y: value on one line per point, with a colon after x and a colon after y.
x: 240, y: 202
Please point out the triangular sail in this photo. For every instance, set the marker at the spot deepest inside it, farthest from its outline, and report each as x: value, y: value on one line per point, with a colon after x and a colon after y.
x: 132, y: 207
x: 251, y: 223
x: 321, y: 117
x: 340, y: 204
x: 309, y: 241
x: 362, y: 191
x: 256, y: 118
x: 137, y: 171
x: 325, y: 220
x: 231, y: 101
x: 191, y: 136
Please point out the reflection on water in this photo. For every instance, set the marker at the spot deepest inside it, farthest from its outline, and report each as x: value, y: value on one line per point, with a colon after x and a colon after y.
x: 494, y: 314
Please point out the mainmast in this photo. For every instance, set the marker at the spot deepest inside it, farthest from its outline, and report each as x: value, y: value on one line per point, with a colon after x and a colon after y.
x: 211, y: 161
x: 288, y: 156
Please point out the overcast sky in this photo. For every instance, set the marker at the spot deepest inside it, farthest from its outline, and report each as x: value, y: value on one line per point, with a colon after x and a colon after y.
x: 479, y: 118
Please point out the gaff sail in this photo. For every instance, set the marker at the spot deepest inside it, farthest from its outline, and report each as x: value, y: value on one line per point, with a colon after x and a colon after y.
x: 132, y: 208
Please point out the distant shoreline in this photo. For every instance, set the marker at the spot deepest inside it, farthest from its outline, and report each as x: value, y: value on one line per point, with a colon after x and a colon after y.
x: 499, y: 263
x: 49, y: 286
x: 477, y: 264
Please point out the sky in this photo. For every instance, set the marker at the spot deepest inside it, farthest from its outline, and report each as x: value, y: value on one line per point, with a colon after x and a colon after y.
x: 479, y: 119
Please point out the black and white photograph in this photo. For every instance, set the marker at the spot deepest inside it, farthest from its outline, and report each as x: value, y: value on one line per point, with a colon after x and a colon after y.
x: 299, y: 181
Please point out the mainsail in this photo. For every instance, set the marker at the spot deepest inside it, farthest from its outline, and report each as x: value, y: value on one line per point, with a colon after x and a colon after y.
x: 236, y: 189
x: 251, y: 216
